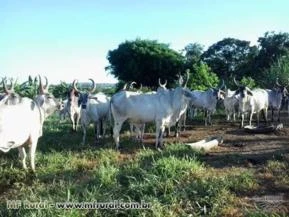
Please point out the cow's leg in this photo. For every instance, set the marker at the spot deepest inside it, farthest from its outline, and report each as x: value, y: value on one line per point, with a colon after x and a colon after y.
x: 22, y: 155
x: 206, y: 118
x: 209, y: 117
x: 142, y: 133
x: 100, y: 134
x: 84, y: 126
x: 250, y: 118
x: 177, y: 129
x: 266, y: 115
x: 258, y: 118
x: 103, y: 128
x: 242, y: 120
x: 77, y: 119
x: 116, y: 129
x: 72, y: 121
x: 161, y: 136
x: 32, y: 150
x: 158, y: 134
x: 279, y: 115
x: 272, y: 117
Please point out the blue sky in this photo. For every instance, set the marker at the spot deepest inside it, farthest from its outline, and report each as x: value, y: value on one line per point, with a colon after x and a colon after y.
x: 66, y: 39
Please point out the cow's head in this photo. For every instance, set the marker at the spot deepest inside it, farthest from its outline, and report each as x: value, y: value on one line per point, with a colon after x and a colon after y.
x: 85, y: 96
x: 10, y: 97
x: 282, y: 90
x: 242, y: 92
x: 45, y: 99
x: 218, y: 93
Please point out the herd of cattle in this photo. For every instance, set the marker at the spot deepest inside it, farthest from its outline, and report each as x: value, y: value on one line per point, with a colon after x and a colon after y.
x: 164, y: 107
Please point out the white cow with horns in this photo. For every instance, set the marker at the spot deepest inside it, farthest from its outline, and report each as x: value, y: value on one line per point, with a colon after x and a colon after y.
x: 94, y: 109
x: 207, y: 100
x: 21, y: 123
x: 251, y: 101
x: 275, y: 98
x: 163, y: 108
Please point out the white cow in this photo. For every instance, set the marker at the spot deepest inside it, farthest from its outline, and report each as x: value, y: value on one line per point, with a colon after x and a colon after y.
x: 95, y: 108
x: 207, y: 100
x: 251, y: 101
x: 230, y: 103
x: 72, y: 106
x: 22, y: 123
x: 276, y: 96
x: 163, y: 108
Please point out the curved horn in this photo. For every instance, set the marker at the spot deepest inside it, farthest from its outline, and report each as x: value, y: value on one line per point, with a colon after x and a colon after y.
x: 6, y: 90
x: 93, y: 86
x: 74, y: 85
x: 181, y: 80
x: 41, y: 89
x: 131, y: 85
x: 188, y: 76
x: 163, y: 85
x: 277, y: 82
x: 237, y: 83
x: 46, y: 83
x: 223, y: 84
x: 125, y: 86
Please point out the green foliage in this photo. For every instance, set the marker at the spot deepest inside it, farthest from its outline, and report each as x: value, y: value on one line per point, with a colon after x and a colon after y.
x: 29, y: 88
x: 145, y: 61
x: 229, y: 57
x: 278, y: 70
x: 192, y: 53
x: 202, y: 77
x: 272, y: 46
x: 60, y: 90
x: 248, y: 81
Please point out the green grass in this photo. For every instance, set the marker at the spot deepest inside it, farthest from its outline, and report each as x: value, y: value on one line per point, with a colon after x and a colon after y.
x: 175, y: 182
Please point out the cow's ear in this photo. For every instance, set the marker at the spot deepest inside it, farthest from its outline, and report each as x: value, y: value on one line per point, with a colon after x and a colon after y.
x: 249, y: 92
x: 237, y: 92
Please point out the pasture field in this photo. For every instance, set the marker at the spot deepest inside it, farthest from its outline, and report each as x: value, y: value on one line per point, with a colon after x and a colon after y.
x: 247, y: 176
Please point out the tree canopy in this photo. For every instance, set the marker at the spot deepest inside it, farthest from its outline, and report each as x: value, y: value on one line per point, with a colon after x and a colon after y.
x: 145, y: 61
x: 229, y: 57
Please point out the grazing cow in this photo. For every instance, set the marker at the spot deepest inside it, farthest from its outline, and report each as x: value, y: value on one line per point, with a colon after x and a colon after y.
x: 22, y: 123
x: 94, y: 108
x: 72, y: 106
x: 252, y: 101
x: 163, y: 108
x: 230, y: 104
x: 207, y: 100
x: 276, y: 96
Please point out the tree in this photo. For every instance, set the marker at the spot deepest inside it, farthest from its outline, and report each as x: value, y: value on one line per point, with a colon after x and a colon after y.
x: 272, y: 47
x: 230, y: 57
x: 145, y: 61
x: 192, y: 53
x: 202, y: 77
x: 278, y: 70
